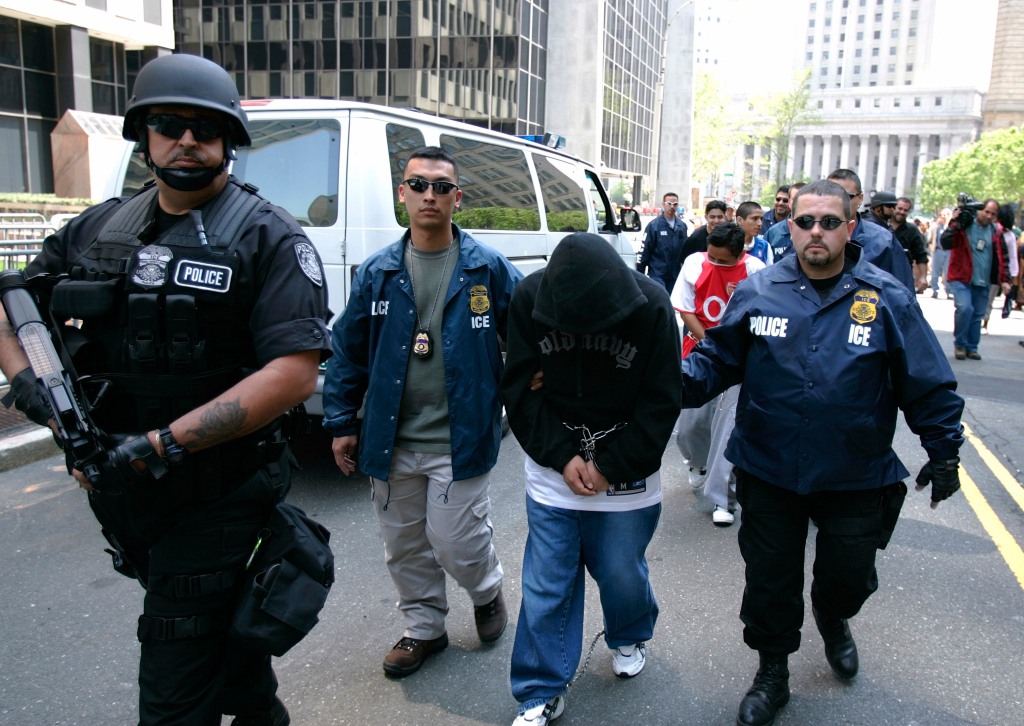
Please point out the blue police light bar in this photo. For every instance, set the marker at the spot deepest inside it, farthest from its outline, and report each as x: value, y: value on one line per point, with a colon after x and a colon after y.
x: 553, y: 141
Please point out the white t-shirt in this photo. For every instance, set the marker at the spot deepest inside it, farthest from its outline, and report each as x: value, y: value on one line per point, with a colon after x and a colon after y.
x: 546, y: 486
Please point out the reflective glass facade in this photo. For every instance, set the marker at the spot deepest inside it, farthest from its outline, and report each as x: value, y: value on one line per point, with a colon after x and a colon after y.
x: 632, y: 50
x: 479, y: 61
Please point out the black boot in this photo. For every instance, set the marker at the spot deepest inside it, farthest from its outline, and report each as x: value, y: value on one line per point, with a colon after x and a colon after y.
x: 840, y: 650
x: 276, y: 715
x: 769, y: 693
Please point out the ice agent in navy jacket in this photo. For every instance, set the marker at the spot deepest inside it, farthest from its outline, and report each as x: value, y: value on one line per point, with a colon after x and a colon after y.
x: 661, y: 253
x: 827, y: 348
x: 417, y: 353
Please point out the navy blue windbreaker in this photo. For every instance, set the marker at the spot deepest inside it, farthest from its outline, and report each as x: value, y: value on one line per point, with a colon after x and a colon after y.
x: 822, y: 383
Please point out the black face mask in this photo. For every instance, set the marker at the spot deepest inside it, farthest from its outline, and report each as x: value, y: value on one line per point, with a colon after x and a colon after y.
x: 185, y: 180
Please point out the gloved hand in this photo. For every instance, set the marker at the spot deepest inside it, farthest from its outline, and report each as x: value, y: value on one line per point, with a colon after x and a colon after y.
x: 25, y: 396
x: 132, y: 462
x: 944, y: 477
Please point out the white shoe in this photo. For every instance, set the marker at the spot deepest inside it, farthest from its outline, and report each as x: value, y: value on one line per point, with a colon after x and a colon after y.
x: 542, y: 714
x: 698, y: 477
x: 629, y: 660
x: 722, y: 517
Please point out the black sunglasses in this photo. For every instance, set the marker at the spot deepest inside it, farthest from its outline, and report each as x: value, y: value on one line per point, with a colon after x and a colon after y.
x: 173, y: 126
x: 440, y: 187
x: 827, y: 222
x: 782, y: 199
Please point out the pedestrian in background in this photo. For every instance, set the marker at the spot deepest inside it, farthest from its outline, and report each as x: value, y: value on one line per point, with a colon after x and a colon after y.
x: 661, y: 250
x: 700, y: 297
x: 977, y: 260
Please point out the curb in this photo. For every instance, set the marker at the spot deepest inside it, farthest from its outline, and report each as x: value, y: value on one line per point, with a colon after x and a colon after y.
x: 19, y: 449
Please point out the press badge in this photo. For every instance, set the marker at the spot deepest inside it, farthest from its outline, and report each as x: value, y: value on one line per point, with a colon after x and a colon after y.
x: 980, y: 245
x: 626, y: 487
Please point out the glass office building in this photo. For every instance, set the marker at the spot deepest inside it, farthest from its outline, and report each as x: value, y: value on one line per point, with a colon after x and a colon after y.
x: 479, y: 61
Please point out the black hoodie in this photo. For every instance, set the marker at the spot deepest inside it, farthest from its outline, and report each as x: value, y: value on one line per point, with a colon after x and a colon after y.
x: 607, y: 340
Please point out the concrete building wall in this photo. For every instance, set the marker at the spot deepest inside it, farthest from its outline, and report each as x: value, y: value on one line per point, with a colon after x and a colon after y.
x: 135, y: 23
x: 1004, y: 104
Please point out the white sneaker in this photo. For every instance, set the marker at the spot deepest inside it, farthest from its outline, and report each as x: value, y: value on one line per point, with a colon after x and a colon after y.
x: 698, y: 477
x: 722, y: 517
x: 542, y: 714
x: 629, y: 660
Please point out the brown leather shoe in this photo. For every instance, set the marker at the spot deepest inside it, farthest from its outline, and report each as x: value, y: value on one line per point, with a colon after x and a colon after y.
x: 974, y: 355
x: 959, y: 353
x: 491, y: 619
x: 409, y: 653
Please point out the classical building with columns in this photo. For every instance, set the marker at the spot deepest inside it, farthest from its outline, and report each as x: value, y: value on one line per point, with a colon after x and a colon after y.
x: 877, y: 97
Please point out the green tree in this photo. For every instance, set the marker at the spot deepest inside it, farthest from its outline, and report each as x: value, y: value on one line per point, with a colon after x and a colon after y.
x: 782, y: 114
x: 989, y: 167
x: 715, y: 134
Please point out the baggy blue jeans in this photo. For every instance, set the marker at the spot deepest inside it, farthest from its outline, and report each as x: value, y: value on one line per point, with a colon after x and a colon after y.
x: 970, y: 303
x: 561, y: 542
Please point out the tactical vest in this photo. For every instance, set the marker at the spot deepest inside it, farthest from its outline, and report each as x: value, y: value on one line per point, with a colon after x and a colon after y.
x: 165, y: 319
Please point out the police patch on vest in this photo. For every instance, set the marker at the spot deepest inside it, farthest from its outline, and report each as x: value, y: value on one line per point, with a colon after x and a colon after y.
x: 309, y: 262
x: 151, y: 266
x: 863, y: 309
x: 479, y: 303
x: 203, y: 276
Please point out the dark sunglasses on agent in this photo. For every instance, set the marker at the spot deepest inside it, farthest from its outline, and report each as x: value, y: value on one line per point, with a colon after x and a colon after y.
x: 173, y: 126
x: 828, y: 222
x: 440, y: 187
x: 782, y: 199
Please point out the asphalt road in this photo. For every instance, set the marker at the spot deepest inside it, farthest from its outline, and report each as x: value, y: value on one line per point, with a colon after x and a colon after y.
x: 942, y: 642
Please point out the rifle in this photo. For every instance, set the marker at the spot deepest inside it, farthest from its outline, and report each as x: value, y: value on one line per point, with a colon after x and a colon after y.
x: 81, y: 440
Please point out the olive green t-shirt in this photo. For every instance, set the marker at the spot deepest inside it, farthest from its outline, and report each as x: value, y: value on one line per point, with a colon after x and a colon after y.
x: 423, y: 416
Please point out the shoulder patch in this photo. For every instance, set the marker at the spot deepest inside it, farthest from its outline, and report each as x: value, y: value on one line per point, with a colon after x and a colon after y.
x: 863, y: 310
x: 309, y: 262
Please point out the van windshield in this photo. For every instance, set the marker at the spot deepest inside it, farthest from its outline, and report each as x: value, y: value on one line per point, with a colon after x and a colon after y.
x: 295, y: 165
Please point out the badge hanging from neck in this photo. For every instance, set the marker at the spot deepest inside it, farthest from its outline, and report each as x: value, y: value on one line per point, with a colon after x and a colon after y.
x: 422, y: 346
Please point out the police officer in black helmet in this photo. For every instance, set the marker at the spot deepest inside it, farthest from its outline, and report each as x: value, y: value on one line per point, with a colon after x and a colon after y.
x: 202, y: 310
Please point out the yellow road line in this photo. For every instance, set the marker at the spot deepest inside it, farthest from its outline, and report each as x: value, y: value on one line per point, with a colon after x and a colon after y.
x: 1004, y: 541
x: 1010, y: 484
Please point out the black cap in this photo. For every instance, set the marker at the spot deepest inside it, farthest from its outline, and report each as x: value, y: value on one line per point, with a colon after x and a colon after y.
x: 883, y: 198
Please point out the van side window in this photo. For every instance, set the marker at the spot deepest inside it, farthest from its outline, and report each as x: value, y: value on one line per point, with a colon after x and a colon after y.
x: 565, y: 204
x: 497, y: 189
x: 308, y: 189
x: 402, y: 141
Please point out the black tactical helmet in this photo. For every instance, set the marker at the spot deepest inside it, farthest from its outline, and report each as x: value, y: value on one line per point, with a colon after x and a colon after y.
x: 186, y: 80
x: 880, y: 198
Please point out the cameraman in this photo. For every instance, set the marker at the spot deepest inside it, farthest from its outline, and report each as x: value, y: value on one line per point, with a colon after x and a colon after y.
x: 977, y: 258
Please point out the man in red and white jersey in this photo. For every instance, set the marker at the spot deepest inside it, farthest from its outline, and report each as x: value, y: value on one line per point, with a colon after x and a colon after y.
x: 700, y: 295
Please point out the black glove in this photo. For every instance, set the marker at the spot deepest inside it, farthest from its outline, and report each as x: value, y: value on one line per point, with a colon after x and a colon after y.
x: 943, y: 475
x: 117, y: 473
x: 25, y: 396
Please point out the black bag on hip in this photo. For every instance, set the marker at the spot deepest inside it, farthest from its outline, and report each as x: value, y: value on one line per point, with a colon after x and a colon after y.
x: 287, y: 580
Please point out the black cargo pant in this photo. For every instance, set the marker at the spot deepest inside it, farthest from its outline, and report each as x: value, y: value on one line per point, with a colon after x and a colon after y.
x: 772, y: 539
x: 192, y: 562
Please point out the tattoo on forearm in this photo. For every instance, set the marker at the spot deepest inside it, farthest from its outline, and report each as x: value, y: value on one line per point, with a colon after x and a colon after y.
x: 221, y: 422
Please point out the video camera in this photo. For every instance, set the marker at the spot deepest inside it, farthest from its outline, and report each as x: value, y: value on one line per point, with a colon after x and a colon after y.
x: 969, y: 208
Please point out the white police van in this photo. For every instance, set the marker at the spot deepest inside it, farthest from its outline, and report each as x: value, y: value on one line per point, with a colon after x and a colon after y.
x: 336, y: 167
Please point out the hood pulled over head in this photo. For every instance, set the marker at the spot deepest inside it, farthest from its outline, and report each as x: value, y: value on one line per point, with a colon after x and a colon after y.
x: 586, y: 287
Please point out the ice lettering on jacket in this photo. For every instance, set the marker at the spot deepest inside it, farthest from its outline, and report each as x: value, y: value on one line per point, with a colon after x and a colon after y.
x: 622, y: 351
x: 379, y: 307
x: 769, y: 326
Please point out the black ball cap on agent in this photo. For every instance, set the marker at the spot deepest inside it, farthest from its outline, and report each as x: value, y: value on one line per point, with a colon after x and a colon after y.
x: 883, y: 198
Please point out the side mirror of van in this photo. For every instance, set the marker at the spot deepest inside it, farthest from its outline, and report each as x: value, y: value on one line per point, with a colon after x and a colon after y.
x: 630, y: 220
